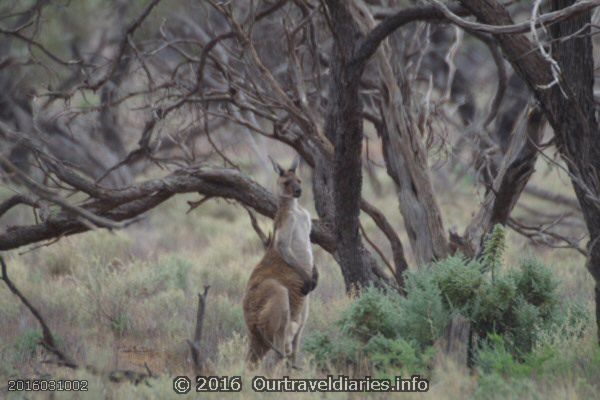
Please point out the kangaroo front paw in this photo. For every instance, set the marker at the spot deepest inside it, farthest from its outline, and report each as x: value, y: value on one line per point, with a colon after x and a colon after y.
x: 309, y: 286
x: 315, y: 277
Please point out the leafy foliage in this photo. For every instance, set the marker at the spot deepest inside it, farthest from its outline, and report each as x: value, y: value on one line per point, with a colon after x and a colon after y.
x: 508, y: 311
x: 493, y: 249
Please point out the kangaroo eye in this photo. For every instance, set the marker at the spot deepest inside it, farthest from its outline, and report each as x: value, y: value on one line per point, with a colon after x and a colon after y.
x: 299, y: 181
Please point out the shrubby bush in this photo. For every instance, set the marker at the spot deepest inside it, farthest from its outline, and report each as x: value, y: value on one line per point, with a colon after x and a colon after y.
x: 508, y: 309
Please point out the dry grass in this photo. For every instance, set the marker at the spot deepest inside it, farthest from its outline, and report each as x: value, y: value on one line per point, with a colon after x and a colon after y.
x: 123, y: 300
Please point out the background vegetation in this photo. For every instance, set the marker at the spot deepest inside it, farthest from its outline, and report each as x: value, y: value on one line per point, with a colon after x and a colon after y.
x: 127, y: 299
x: 118, y: 114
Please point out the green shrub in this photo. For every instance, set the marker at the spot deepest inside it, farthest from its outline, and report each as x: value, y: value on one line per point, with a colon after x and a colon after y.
x: 373, y: 313
x: 458, y: 279
x: 320, y: 346
x: 493, y: 250
x: 497, y: 387
x: 494, y: 356
x: 392, y: 354
x: 370, y: 329
x: 422, y: 313
x: 535, y: 282
x: 508, y: 311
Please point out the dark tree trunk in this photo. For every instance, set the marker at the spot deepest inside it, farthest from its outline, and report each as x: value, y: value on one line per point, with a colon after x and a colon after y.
x: 344, y: 128
x: 578, y: 137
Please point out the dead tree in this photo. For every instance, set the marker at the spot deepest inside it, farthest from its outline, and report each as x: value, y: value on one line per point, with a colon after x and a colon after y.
x: 307, y: 74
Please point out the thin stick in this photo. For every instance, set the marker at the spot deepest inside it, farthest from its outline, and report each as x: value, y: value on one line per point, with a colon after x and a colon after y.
x: 199, y: 362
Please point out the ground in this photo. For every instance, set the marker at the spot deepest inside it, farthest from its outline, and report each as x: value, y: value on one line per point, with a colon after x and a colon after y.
x: 127, y: 300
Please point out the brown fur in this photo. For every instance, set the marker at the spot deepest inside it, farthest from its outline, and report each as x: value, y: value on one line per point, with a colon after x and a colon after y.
x: 273, y: 299
x: 276, y: 301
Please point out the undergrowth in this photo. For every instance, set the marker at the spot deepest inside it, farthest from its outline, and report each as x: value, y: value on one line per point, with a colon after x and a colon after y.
x: 514, y: 312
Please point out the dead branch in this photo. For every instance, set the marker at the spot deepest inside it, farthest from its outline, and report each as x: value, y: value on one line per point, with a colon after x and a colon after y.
x: 15, y: 201
x: 379, y: 252
x: 120, y: 205
x: 265, y: 240
x: 43, y: 192
x: 388, y: 230
x: 49, y: 343
x: 200, y: 362
x: 195, y: 204
x: 517, y: 167
x: 48, y: 340
x: 542, y: 235
x: 552, y: 197
x: 373, y: 39
x: 545, y: 19
x: 133, y: 26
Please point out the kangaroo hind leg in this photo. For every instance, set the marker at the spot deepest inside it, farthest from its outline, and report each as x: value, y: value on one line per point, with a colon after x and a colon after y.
x: 275, y: 323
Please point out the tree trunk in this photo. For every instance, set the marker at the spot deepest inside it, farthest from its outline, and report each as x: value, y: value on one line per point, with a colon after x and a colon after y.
x: 568, y: 105
x: 511, y: 178
x: 406, y: 158
x: 344, y: 128
x: 579, y: 138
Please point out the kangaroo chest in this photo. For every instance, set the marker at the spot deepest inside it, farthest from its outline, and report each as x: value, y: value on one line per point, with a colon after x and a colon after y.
x: 300, y: 226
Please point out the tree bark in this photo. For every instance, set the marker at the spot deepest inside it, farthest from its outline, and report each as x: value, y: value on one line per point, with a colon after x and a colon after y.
x: 569, y: 105
x: 514, y: 173
x: 344, y: 128
x: 406, y: 157
x: 406, y: 162
x: 579, y: 139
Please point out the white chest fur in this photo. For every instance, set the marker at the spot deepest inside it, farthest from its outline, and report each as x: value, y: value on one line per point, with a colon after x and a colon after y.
x: 294, y: 236
x: 301, y: 245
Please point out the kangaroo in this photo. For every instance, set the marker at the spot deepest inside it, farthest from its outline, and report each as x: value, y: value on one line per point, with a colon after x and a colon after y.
x: 276, y: 299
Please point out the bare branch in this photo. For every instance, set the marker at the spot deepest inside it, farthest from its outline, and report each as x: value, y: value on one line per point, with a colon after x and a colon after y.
x: 133, y: 26
x: 137, y: 199
x: 386, y: 27
x: 265, y: 240
x: 195, y: 204
x: 517, y: 167
x: 549, y: 18
x: 14, y: 201
x: 46, y: 194
x: 48, y: 340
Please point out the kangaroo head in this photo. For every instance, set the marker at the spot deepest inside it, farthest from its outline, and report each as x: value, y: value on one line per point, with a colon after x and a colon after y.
x: 288, y: 183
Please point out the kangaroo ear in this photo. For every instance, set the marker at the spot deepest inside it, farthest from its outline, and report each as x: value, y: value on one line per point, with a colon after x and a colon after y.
x: 295, y: 164
x: 276, y: 166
